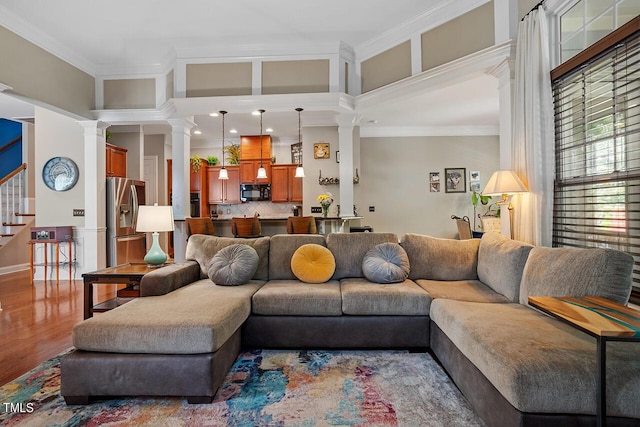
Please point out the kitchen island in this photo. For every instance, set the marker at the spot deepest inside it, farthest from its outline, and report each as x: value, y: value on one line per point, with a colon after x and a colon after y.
x: 278, y: 225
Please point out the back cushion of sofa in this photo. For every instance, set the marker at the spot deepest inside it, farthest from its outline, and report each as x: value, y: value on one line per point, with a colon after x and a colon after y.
x: 202, y: 248
x: 349, y: 250
x: 281, y: 249
x: 441, y: 259
x: 500, y: 263
x: 577, y: 272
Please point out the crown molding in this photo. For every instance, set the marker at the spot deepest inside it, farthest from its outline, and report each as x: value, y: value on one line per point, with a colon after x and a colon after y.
x: 435, y: 78
x: 4, y: 87
x: 27, y: 31
x: 137, y: 117
x: 438, y: 15
x: 249, y: 51
x: 412, y: 131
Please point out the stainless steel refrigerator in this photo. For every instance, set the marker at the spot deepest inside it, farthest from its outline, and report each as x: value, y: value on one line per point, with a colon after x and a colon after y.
x: 124, y: 245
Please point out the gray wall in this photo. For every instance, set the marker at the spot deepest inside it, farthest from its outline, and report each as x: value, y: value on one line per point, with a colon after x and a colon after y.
x: 129, y: 93
x: 394, y: 177
x: 219, y: 79
x: 387, y: 67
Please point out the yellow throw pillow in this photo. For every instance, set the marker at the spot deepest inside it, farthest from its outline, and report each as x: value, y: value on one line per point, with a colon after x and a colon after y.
x: 313, y: 263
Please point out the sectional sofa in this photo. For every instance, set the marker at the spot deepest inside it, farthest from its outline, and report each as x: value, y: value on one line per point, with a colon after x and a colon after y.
x: 464, y: 300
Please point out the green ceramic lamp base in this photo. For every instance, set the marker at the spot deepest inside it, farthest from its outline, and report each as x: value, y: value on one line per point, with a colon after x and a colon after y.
x: 156, y: 256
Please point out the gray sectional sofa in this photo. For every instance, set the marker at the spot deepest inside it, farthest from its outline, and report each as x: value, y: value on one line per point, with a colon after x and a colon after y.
x: 465, y: 301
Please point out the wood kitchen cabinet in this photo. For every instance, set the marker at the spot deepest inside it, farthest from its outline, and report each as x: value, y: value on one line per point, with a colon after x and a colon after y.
x: 249, y: 171
x: 223, y: 190
x: 250, y: 147
x: 116, y: 161
x: 285, y: 187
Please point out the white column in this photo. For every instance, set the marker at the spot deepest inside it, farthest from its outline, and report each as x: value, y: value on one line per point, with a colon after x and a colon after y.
x: 94, y: 245
x: 505, y: 16
x: 346, y: 127
x: 180, y: 185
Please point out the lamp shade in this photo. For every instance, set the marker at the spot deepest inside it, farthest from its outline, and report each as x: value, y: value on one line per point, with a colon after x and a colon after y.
x: 262, y: 172
x: 154, y: 219
x: 299, y: 172
x: 223, y: 173
x: 504, y: 182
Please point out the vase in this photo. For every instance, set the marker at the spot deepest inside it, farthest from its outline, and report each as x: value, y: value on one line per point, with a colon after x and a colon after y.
x: 325, y: 210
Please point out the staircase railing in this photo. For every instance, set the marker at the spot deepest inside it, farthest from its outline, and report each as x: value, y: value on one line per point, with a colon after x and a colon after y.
x: 12, y: 191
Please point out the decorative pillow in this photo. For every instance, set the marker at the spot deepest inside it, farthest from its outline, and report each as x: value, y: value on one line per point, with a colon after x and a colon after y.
x: 313, y: 263
x: 386, y: 263
x: 233, y: 265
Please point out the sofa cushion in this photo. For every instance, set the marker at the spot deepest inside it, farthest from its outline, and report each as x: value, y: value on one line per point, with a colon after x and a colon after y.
x: 500, y: 263
x: 198, y: 318
x: 349, y: 250
x: 577, y: 272
x: 281, y: 249
x: 362, y: 297
x: 539, y: 364
x: 386, y: 263
x: 441, y: 259
x: 313, y: 263
x: 233, y: 265
x: 202, y: 248
x: 292, y: 298
x: 461, y: 290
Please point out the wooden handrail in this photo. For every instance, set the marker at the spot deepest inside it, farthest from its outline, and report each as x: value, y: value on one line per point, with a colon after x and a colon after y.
x: 10, y: 143
x: 13, y: 173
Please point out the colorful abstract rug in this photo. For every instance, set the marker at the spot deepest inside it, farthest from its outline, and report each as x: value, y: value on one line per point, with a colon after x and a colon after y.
x: 267, y: 388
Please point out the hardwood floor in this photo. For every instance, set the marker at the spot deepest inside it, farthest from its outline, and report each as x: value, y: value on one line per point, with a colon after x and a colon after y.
x: 36, y: 320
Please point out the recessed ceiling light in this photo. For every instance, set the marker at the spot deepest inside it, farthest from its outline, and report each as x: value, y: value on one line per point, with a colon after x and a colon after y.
x: 233, y: 131
x: 269, y: 130
x: 255, y: 113
x: 214, y: 114
x: 197, y: 132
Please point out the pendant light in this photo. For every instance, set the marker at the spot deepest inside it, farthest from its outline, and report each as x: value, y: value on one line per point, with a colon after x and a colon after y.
x: 262, y: 172
x: 299, y: 169
x: 223, y: 172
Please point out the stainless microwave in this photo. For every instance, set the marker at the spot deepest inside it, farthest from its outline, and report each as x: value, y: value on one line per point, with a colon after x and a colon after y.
x: 255, y: 192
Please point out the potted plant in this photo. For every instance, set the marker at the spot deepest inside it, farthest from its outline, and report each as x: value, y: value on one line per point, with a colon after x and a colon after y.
x: 196, y: 162
x: 212, y: 160
x: 475, y: 199
x: 233, y: 154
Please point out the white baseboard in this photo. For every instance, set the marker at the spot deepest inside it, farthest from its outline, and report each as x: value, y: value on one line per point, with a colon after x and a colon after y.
x: 13, y: 268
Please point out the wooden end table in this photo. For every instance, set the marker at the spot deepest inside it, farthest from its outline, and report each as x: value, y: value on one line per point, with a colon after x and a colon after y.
x: 130, y: 274
x: 601, y: 318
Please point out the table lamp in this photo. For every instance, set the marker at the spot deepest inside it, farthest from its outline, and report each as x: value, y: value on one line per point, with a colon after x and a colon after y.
x: 505, y: 182
x: 155, y: 219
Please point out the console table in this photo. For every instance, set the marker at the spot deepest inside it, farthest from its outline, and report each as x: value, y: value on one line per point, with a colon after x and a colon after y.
x: 601, y: 318
x: 56, y: 264
x: 130, y: 274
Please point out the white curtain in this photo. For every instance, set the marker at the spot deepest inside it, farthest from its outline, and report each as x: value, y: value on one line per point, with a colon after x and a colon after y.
x: 533, y: 140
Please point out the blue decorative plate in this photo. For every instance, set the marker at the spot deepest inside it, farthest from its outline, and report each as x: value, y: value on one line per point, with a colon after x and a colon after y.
x: 60, y: 173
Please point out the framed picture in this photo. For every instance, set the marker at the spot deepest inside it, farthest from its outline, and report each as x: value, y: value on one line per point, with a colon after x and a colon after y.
x: 321, y: 150
x: 474, y: 181
x: 456, y: 180
x: 434, y: 182
x: 296, y: 153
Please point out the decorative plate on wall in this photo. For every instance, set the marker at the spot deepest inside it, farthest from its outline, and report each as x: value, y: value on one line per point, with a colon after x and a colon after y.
x: 321, y: 150
x: 60, y: 173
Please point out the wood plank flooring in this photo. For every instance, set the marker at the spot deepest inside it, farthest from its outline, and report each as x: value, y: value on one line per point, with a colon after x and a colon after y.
x: 36, y: 320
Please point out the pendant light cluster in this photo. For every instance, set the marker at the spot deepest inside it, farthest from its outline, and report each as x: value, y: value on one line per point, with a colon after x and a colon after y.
x: 223, y: 172
x: 262, y: 172
x: 299, y: 169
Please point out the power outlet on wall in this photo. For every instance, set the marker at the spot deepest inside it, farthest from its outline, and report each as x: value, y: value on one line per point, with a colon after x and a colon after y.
x: 78, y: 212
x: 372, y: 208
x: 316, y: 209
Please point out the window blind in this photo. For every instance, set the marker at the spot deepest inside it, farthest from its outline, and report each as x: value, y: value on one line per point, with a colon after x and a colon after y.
x: 597, y: 147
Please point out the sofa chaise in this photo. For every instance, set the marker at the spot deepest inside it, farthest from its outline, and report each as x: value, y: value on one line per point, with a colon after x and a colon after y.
x: 464, y: 300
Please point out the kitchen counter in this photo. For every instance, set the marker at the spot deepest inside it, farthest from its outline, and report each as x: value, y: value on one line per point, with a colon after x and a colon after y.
x: 272, y: 225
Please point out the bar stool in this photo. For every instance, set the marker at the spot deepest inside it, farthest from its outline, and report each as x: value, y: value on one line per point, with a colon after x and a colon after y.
x: 301, y: 225
x: 246, y: 227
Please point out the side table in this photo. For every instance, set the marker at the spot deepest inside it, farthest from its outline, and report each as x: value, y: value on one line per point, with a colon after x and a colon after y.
x: 130, y: 274
x: 601, y: 318
x: 56, y: 245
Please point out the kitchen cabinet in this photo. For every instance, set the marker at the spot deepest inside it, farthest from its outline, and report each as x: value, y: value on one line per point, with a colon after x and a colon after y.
x: 197, y: 188
x: 250, y: 147
x: 116, y: 161
x: 249, y: 171
x: 285, y: 187
x: 225, y: 191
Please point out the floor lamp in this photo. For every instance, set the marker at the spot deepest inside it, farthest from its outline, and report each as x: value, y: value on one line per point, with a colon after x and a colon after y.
x: 505, y: 182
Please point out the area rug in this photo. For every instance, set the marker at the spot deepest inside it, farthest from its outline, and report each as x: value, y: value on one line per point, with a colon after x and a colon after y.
x: 267, y: 388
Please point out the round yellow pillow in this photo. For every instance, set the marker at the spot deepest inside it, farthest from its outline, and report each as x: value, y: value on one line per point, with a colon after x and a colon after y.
x: 313, y: 263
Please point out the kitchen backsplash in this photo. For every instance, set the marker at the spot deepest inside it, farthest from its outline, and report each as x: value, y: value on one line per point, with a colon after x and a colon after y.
x: 265, y: 209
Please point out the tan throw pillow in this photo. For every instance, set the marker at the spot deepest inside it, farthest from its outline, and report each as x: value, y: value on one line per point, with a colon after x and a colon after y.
x: 313, y: 263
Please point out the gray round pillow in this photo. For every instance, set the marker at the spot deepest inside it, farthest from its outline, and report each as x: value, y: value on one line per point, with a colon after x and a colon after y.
x: 233, y: 265
x: 386, y: 263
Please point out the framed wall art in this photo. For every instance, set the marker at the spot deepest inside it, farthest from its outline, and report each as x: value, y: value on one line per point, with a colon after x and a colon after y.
x: 321, y: 150
x: 434, y: 182
x: 456, y: 180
